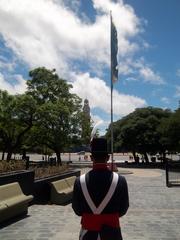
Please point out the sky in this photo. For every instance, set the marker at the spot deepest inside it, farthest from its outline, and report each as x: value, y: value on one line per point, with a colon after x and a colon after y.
x: 73, y: 36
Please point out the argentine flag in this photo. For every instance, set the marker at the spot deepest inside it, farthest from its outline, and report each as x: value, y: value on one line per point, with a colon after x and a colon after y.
x: 114, y: 50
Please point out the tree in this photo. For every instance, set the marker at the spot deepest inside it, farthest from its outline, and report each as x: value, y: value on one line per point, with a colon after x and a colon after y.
x: 170, y: 132
x: 16, y: 119
x: 59, y: 111
x: 138, y: 131
x: 46, y: 86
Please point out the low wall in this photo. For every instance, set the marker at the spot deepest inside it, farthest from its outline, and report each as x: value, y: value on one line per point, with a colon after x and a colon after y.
x: 39, y: 188
x: 24, y: 177
x: 173, y: 174
x: 41, y: 191
x: 140, y: 165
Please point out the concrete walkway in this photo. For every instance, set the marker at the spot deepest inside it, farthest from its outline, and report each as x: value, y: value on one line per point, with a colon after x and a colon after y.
x: 154, y: 213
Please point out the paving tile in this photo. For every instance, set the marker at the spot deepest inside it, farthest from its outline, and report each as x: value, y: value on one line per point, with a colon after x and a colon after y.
x: 154, y: 213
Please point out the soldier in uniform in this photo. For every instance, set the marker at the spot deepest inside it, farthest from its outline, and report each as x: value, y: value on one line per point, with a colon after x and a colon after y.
x: 100, y: 197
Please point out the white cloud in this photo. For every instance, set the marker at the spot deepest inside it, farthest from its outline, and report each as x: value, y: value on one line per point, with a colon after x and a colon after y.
x: 177, y: 94
x: 8, y: 66
x: 125, y: 67
x: 149, y: 75
x: 48, y: 33
x: 123, y: 15
x: 131, y: 79
x: 19, y: 87
x: 98, y: 94
x: 139, y: 70
x: 40, y: 39
x: 165, y: 100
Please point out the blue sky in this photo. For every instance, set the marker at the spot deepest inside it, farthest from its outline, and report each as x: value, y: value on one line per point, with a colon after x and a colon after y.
x: 73, y: 36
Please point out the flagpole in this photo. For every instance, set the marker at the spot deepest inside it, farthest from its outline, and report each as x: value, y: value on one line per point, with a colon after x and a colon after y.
x: 112, y: 151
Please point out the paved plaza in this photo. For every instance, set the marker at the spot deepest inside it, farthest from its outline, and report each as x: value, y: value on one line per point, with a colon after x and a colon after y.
x: 154, y: 213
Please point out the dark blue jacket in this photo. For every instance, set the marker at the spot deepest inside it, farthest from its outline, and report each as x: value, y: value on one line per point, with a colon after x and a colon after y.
x: 98, y: 183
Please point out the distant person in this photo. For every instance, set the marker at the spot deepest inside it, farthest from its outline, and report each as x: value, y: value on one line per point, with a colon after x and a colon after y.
x: 100, y: 197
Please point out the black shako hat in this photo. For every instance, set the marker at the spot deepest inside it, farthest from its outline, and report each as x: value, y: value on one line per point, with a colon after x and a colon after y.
x: 99, y: 146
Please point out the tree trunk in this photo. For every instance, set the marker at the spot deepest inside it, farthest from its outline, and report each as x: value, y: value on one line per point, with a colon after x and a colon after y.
x: 24, y: 154
x: 137, y: 159
x: 9, y: 155
x: 164, y: 157
x: 146, y: 157
x: 3, y: 154
x: 134, y: 155
x: 59, y: 162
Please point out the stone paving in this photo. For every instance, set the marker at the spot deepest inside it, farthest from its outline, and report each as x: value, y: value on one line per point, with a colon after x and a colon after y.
x: 154, y: 213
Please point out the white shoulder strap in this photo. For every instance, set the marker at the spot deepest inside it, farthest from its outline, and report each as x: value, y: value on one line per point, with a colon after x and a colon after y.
x: 107, y: 198
x: 109, y: 194
x: 86, y: 193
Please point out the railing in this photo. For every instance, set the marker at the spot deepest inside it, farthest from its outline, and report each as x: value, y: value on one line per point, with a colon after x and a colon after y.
x: 172, y: 173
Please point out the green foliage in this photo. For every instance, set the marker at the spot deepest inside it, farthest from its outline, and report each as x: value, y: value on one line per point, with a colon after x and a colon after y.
x: 48, y: 116
x: 138, y: 131
x: 16, y: 118
x: 59, y: 113
x: 170, y: 132
x: 45, y: 85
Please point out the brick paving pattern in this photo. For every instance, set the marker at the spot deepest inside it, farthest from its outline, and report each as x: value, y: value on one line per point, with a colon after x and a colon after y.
x: 154, y: 213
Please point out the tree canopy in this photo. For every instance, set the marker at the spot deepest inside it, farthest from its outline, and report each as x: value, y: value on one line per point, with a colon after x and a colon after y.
x: 138, y: 131
x: 48, y: 114
x: 58, y: 113
x: 16, y: 119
